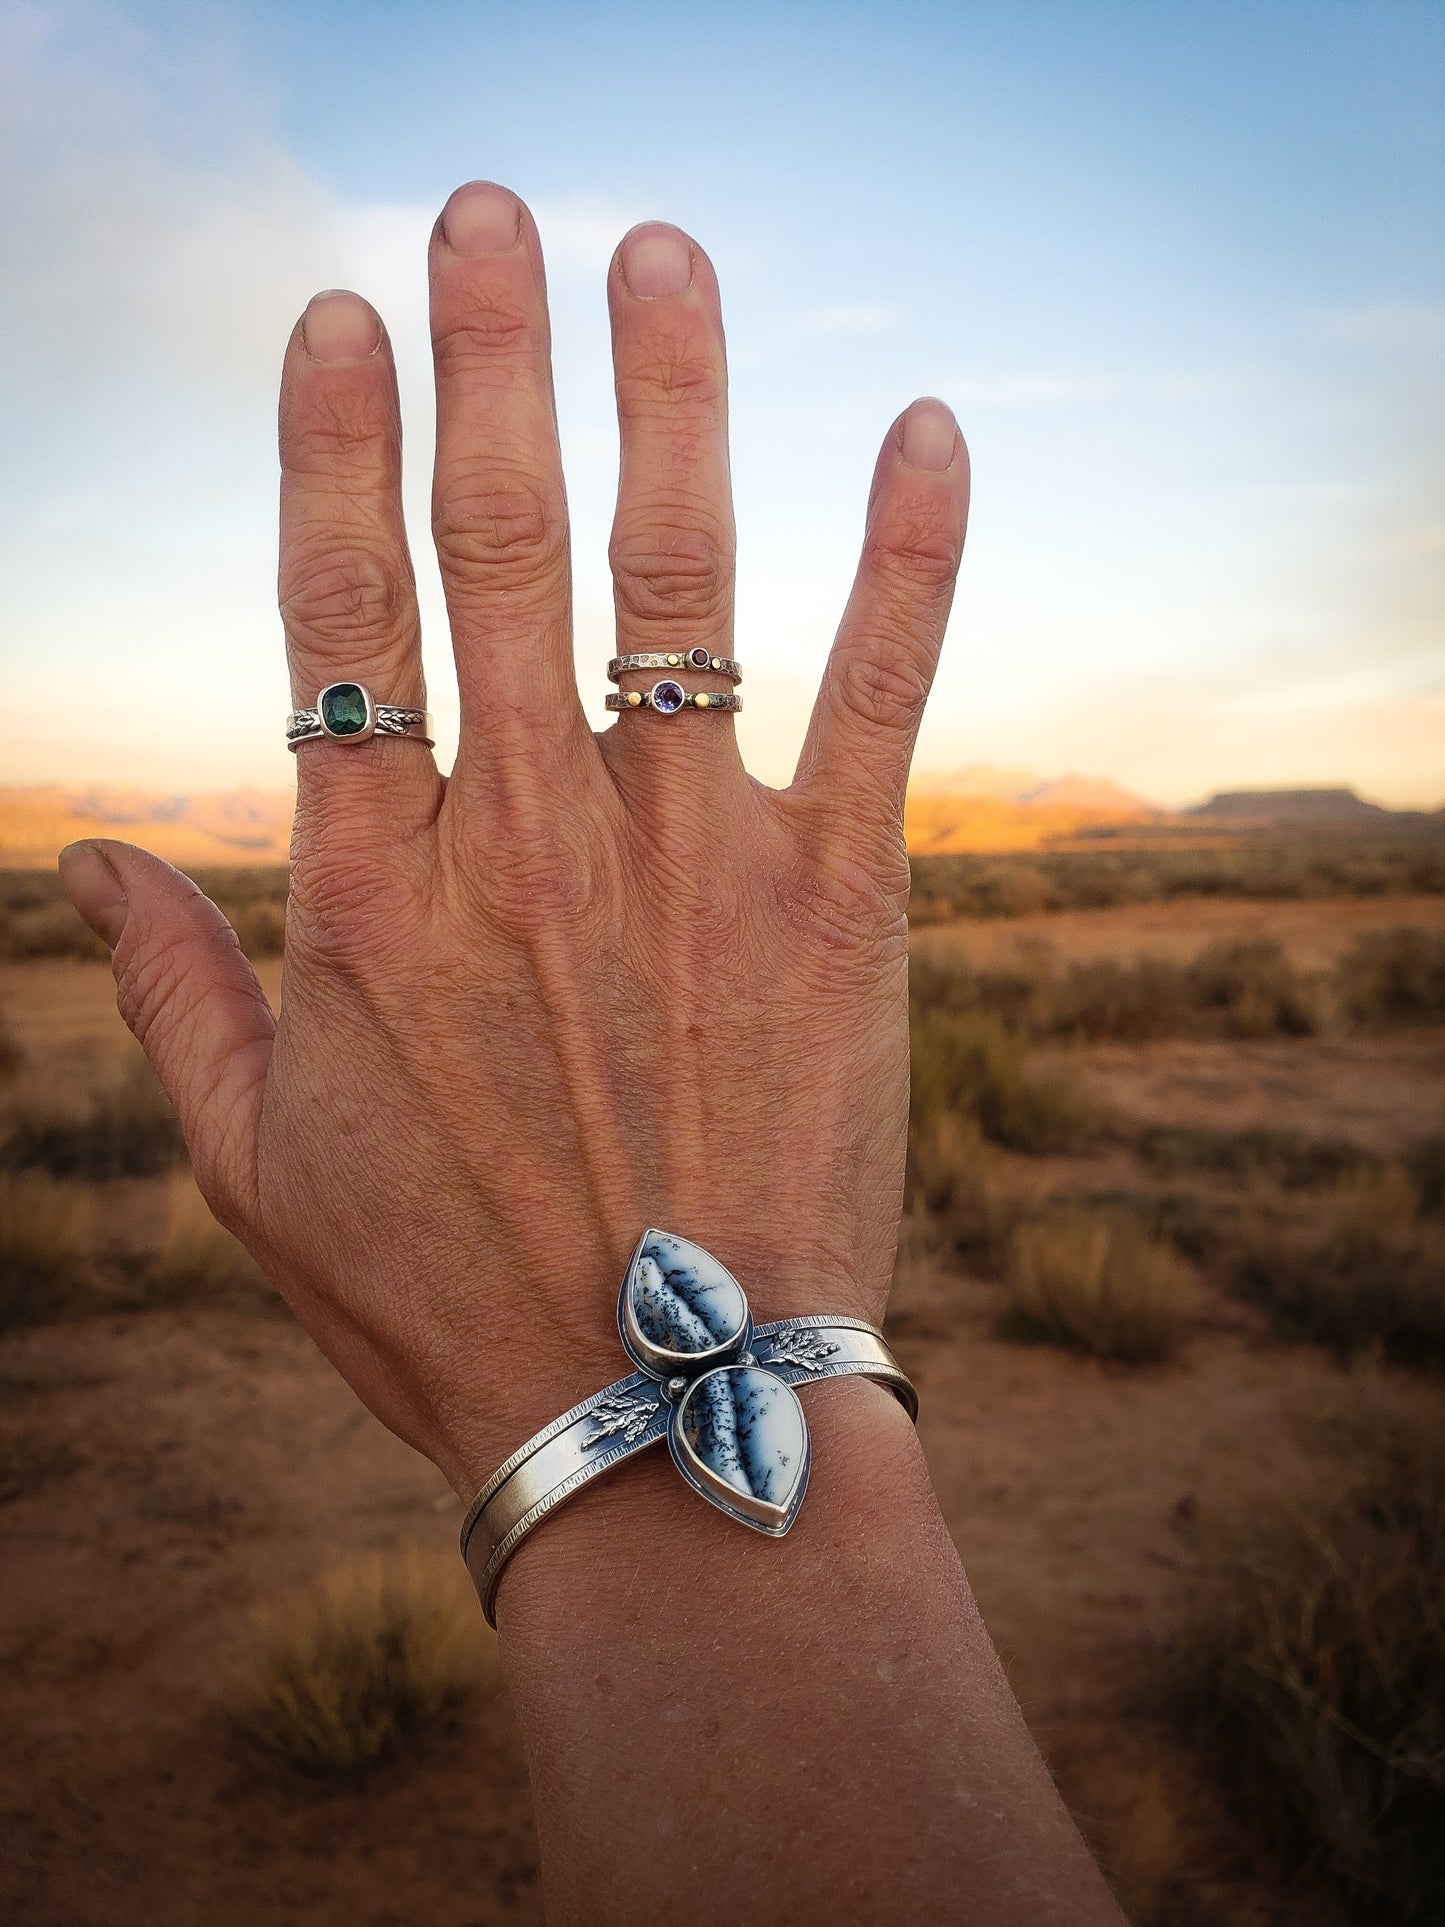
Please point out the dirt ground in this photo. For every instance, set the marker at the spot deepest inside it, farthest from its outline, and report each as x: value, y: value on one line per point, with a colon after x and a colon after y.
x: 206, y: 1459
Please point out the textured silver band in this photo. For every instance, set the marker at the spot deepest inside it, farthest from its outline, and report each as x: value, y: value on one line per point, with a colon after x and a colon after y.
x: 634, y: 1413
x: 642, y: 699
x: 390, y: 719
x: 684, y: 659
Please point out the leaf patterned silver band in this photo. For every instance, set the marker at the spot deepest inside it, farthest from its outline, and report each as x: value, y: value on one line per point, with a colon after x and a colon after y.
x: 637, y: 1412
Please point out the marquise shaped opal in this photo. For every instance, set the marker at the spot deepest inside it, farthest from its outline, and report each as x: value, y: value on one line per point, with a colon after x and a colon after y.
x: 343, y: 708
x: 679, y: 1302
x: 739, y: 1437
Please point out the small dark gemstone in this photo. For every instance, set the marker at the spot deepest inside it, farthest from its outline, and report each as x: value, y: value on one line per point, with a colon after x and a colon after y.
x: 343, y: 708
x: 699, y: 658
x: 668, y: 696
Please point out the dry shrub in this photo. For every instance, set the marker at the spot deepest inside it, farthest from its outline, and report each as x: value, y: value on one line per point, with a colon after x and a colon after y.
x: 11, y: 1055
x: 199, y: 1258
x: 953, y: 1187
x: 1285, y: 1157
x: 1366, y: 1268
x: 128, y: 1130
x: 1096, y: 1280
x: 970, y: 1066
x: 1427, y: 1167
x: 1394, y: 976
x: 45, y: 1261
x: 378, y: 1651
x: 1313, y: 1664
x: 29, y: 1460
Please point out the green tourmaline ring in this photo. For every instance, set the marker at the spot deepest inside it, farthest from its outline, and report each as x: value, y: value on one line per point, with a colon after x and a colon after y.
x: 346, y: 713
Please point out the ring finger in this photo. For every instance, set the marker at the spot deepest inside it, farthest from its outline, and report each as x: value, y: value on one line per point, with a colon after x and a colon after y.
x: 348, y: 599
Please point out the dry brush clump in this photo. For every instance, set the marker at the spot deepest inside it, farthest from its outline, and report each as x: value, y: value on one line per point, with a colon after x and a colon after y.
x: 1312, y: 1663
x: 1095, y: 1280
x: 970, y: 1066
x: 126, y: 1129
x: 1362, y: 1267
x: 36, y: 918
x: 46, y: 1265
x: 1393, y: 976
x: 373, y: 1655
x: 197, y: 1258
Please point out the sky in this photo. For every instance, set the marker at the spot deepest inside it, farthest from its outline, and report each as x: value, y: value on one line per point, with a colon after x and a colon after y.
x: 1179, y: 268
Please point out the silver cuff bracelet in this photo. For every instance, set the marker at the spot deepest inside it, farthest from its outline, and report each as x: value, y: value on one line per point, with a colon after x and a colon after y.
x: 718, y: 1388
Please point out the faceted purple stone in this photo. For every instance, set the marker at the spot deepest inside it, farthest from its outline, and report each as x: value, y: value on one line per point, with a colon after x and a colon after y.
x: 668, y: 696
x: 699, y: 658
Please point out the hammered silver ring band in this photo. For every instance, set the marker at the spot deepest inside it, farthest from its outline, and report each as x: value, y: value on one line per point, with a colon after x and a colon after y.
x: 667, y: 697
x: 676, y: 659
x: 719, y: 1389
x: 346, y: 712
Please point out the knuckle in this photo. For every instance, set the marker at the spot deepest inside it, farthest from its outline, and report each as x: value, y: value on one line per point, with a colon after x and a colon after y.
x: 847, y: 905
x: 343, y: 595
x: 158, y: 983
x: 673, y: 374
x: 678, y: 572
x: 885, y: 688
x: 917, y: 553
x: 511, y: 530
x: 349, y: 909
x: 486, y: 327
x: 339, y: 441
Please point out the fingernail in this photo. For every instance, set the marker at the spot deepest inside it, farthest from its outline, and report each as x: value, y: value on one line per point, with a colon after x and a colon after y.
x: 482, y: 218
x: 95, y: 890
x: 340, y: 326
x: 656, y: 260
x: 930, y: 435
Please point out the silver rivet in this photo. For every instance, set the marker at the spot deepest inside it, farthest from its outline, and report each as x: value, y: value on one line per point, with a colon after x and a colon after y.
x: 676, y: 1387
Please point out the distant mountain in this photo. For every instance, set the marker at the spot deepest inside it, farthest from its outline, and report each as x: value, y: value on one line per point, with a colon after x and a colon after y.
x: 984, y: 808
x: 237, y: 827
x: 1323, y: 809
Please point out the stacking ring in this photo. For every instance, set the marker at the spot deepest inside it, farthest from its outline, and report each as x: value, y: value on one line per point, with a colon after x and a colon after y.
x: 346, y: 713
x: 678, y: 659
x: 668, y: 697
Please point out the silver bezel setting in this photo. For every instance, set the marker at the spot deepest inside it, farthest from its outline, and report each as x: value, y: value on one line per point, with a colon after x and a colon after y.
x: 761, y: 1514
x: 368, y: 728
x: 656, y: 1361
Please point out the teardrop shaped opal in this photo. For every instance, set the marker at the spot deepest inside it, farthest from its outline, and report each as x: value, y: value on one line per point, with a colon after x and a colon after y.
x: 739, y: 1438
x: 679, y: 1305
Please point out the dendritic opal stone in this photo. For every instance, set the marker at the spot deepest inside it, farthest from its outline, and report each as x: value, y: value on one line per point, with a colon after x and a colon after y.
x: 668, y: 696
x: 343, y: 708
x: 679, y: 1305
x: 740, y: 1438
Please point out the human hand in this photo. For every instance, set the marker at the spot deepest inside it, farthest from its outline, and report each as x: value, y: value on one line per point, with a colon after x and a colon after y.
x: 589, y: 982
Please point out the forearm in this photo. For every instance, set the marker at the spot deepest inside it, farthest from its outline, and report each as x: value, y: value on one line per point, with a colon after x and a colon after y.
x: 781, y: 1730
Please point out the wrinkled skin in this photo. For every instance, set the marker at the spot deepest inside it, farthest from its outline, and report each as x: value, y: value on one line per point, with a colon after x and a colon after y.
x: 589, y: 982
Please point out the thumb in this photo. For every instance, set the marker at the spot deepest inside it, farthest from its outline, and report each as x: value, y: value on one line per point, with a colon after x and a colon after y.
x: 185, y: 988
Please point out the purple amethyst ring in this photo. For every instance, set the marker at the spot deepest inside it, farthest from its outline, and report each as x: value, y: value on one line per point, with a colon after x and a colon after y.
x: 667, y: 697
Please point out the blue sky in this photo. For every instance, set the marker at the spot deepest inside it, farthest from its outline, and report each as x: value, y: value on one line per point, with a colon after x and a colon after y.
x: 1179, y: 268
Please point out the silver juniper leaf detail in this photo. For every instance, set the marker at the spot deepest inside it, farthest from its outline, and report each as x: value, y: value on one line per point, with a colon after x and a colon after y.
x: 629, y: 1416
x: 804, y: 1349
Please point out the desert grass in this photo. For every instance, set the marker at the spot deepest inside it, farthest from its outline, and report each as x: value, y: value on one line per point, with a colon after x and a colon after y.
x: 1362, y: 1267
x: 11, y: 1055
x: 1312, y: 1662
x: 1393, y: 977
x: 968, y: 1065
x: 36, y: 919
x: 198, y: 1257
x: 30, y: 1460
x: 1095, y: 1280
x: 45, y: 1255
x: 956, y: 1198
x: 127, y: 1129
x: 1233, y: 990
x: 1019, y: 884
x: 376, y: 1653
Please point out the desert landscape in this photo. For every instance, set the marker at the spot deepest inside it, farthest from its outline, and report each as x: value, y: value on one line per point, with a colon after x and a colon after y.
x: 1172, y: 1286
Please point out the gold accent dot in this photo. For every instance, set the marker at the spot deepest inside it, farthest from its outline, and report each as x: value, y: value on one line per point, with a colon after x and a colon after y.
x: 716, y: 663
x: 701, y: 702
x: 674, y: 662
x: 634, y: 698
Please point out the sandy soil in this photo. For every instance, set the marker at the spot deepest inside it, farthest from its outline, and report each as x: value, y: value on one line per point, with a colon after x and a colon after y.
x: 1312, y: 932
x: 204, y: 1459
